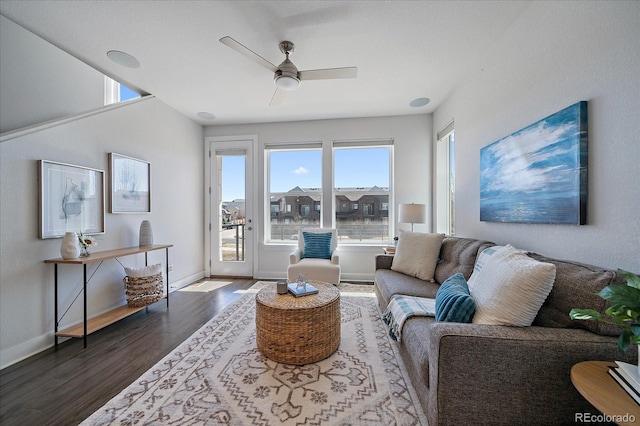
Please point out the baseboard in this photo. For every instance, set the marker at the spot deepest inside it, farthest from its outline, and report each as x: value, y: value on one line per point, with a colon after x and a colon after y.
x: 27, y: 349
x: 176, y: 285
x: 43, y: 342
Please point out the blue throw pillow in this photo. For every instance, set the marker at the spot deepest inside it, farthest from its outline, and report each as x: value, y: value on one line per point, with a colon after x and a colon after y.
x: 453, y: 301
x: 317, y: 245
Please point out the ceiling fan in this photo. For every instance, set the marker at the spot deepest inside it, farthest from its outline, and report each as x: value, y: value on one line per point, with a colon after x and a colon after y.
x: 286, y: 75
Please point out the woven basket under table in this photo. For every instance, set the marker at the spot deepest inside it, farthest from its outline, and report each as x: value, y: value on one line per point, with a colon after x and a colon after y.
x: 298, y: 330
x: 143, y: 291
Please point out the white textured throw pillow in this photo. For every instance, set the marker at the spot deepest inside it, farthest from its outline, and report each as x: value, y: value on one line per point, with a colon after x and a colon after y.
x: 417, y: 254
x: 145, y: 271
x: 509, y: 287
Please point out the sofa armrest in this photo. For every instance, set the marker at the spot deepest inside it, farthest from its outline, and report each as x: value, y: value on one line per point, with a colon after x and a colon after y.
x: 335, y: 257
x: 295, y: 256
x: 384, y: 261
x: 510, y: 373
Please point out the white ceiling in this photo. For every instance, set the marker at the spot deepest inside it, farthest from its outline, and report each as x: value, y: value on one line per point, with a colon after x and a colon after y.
x: 403, y: 50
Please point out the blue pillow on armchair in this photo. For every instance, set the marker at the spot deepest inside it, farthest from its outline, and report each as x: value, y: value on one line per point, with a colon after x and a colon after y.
x: 453, y: 301
x: 317, y: 245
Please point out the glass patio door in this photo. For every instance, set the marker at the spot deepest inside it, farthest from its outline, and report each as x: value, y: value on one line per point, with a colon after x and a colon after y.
x: 232, y: 227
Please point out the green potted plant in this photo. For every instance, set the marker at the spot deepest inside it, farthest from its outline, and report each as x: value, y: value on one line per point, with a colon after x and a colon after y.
x: 624, y: 311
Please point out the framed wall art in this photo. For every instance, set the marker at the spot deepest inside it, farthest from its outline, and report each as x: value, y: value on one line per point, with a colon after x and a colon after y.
x: 130, y: 184
x: 538, y: 174
x: 71, y: 198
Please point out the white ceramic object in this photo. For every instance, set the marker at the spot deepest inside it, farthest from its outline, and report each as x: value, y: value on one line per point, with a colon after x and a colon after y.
x: 146, y: 234
x: 70, y: 247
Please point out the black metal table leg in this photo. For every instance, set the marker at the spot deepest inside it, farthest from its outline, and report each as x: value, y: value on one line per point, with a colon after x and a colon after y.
x: 85, y: 305
x: 55, y: 308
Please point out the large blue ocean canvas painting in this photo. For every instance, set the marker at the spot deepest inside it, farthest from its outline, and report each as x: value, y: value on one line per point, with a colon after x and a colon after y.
x: 538, y: 174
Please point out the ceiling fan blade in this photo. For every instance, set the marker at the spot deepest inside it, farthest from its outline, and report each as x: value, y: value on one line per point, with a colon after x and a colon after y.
x: 278, y: 97
x: 248, y: 53
x: 329, y: 73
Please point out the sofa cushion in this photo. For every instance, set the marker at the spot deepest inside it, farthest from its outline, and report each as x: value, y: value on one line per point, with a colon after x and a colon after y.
x: 317, y: 245
x: 390, y: 282
x: 417, y: 254
x: 576, y: 287
x: 453, y: 301
x: 458, y: 255
x: 509, y: 287
x: 415, y: 348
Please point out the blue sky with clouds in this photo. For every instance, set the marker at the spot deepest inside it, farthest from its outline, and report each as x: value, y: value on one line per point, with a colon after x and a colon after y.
x: 361, y: 167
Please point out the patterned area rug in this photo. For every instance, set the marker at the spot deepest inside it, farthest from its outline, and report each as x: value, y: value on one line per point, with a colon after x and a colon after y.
x: 218, y: 376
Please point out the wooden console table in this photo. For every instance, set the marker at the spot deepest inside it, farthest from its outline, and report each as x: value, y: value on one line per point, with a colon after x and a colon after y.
x: 88, y: 326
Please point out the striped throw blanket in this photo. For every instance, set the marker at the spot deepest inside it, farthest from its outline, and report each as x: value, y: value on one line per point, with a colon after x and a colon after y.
x: 401, y: 308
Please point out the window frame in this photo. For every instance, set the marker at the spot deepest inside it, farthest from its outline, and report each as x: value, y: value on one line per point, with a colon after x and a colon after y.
x: 327, y: 207
x: 285, y: 204
x: 444, y: 180
x: 113, y: 93
x: 360, y: 204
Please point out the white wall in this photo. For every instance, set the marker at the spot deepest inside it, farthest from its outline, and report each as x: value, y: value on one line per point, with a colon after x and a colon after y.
x: 40, y: 82
x: 28, y: 79
x: 412, y: 159
x: 148, y: 130
x: 555, y: 54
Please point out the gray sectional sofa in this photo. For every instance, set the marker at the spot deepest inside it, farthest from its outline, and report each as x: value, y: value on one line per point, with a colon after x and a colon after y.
x: 471, y: 374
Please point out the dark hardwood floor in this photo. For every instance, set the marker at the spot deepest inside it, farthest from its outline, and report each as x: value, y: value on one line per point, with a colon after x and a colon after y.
x: 65, y: 386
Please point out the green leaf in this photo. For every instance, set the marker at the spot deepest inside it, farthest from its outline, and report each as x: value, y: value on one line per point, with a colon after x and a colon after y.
x: 635, y: 329
x: 621, y: 313
x: 624, y: 339
x: 633, y: 280
x: 585, y: 314
x: 621, y: 294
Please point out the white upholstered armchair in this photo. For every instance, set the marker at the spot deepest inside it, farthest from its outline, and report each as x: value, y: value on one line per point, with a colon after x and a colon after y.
x: 316, y: 256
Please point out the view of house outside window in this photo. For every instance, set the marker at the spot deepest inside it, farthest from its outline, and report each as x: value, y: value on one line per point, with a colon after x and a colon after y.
x: 362, y: 181
x: 295, y: 191
x: 361, y: 194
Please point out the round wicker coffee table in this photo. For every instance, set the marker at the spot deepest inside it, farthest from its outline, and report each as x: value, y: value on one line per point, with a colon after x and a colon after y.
x: 298, y: 330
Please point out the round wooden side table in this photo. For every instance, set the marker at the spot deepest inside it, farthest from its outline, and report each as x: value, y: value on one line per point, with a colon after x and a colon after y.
x: 298, y: 330
x: 592, y: 380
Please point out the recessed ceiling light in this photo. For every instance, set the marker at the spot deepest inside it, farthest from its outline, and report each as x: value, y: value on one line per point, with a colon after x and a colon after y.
x: 206, y: 115
x: 123, y: 59
x: 419, y: 102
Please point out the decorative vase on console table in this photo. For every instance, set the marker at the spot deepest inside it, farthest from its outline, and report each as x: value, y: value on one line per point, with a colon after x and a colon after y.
x: 146, y: 234
x: 70, y: 247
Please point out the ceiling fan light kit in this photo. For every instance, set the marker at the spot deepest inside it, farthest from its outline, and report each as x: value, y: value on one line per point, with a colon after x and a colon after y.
x: 286, y: 75
x: 287, y: 83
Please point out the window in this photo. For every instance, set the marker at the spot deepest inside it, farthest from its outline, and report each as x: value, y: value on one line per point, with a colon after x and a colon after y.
x: 362, y: 178
x: 445, y: 180
x: 294, y: 186
x: 115, y: 92
x: 359, y: 199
